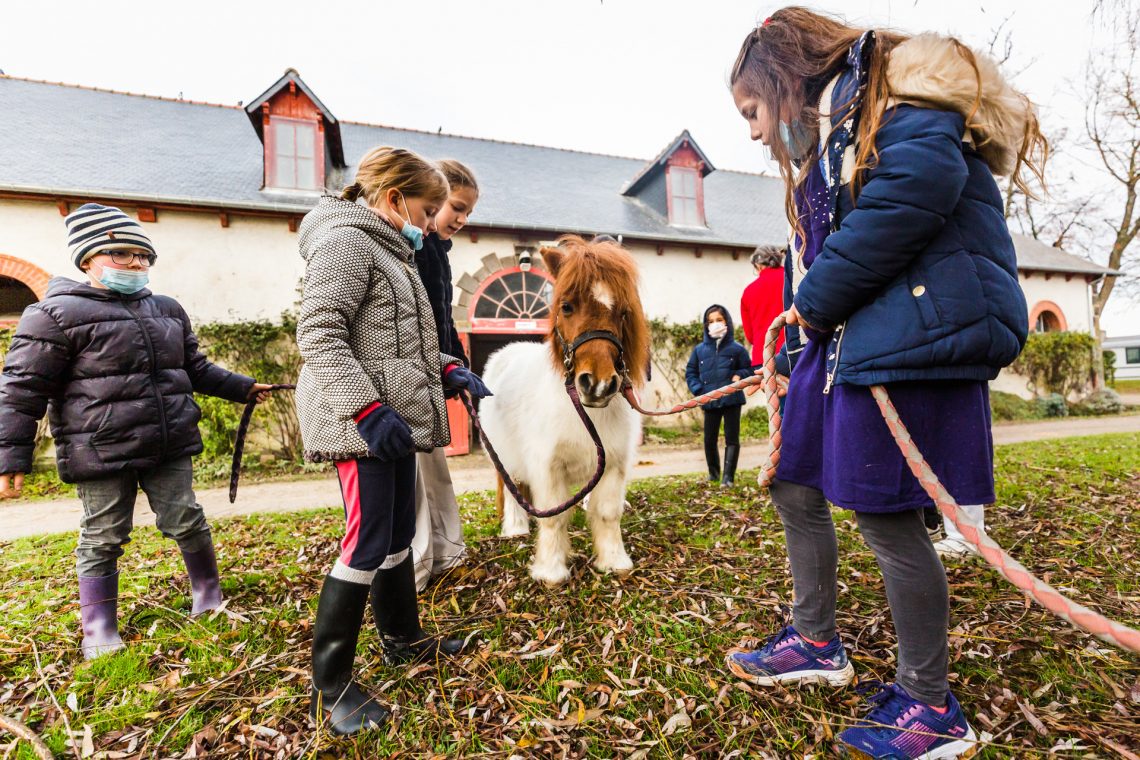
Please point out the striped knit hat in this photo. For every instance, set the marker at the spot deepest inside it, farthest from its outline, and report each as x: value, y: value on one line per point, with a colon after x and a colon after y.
x: 93, y: 229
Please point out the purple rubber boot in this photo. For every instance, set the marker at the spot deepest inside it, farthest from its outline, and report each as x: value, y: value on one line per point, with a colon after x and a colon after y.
x: 205, y: 587
x: 98, y: 611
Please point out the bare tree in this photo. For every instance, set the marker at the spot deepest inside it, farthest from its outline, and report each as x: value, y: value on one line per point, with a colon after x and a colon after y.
x: 1112, y: 126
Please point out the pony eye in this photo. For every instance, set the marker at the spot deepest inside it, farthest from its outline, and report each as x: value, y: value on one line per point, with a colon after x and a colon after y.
x: 567, y: 309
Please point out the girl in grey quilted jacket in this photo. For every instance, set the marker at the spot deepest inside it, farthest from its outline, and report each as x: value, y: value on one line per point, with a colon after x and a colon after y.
x: 369, y: 396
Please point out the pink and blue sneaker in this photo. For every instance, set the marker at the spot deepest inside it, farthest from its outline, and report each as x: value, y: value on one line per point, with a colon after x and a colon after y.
x: 787, y: 658
x: 900, y: 727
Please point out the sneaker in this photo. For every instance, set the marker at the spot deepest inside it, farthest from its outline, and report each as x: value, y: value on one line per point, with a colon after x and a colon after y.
x: 902, y: 728
x: 954, y: 548
x: 787, y: 658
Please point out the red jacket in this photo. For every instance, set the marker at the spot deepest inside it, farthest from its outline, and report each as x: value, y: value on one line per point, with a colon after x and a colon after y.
x: 762, y: 300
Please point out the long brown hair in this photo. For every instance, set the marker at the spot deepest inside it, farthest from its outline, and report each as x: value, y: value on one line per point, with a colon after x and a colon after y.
x: 787, y: 62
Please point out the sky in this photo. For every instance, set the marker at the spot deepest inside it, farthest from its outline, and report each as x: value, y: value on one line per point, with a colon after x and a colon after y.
x: 621, y: 77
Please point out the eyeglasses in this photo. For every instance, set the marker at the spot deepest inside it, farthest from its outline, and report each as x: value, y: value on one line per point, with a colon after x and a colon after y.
x: 126, y: 258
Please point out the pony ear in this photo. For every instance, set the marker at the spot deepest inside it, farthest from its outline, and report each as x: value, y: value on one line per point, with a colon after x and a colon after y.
x: 552, y: 258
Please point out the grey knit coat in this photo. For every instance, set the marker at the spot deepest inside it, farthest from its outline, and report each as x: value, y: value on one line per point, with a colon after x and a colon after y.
x: 366, y: 333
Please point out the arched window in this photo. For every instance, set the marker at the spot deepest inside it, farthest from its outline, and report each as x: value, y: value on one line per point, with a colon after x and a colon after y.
x: 513, y: 295
x: 1047, y: 316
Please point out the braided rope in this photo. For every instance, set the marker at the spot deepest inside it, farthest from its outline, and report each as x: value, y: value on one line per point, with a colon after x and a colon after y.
x: 242, y: 429
x: 508, y: 481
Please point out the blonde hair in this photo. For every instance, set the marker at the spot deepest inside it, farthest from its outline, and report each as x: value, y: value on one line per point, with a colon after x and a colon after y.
x: 386, y: 168
x: 458, y: 175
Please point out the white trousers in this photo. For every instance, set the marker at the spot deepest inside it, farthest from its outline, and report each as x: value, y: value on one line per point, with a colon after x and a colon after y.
x: 438, y: 544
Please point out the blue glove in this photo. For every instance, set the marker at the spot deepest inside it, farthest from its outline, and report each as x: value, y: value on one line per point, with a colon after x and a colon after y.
x: 459, y: 377
x: 388, y: 437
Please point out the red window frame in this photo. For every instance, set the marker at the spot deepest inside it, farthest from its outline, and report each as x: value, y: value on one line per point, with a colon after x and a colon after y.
x: 273, y: 179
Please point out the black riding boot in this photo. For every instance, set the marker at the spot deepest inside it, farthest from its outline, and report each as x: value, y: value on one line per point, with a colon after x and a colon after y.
x: 731, y: 455
x: 335, y: 696
x: 712, y: 456
x: 397, y: 613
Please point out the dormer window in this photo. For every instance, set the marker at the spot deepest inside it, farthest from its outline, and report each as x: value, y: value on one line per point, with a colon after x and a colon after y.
x: 673, y: 184
x: 684, y: 203
x: 301, y: 136
x: 295, y: 155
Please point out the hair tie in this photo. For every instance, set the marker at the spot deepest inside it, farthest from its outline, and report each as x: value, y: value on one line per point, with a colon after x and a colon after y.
x: 766, y: 22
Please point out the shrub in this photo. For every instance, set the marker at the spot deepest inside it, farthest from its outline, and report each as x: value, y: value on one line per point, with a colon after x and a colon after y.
x: 268, y: 352
x: 1109, y: 366
x: 1057, y: 362
x: 1052, y: 405
x: 1106, y: 401
x: 1007, y: 406
x: 754, y: 424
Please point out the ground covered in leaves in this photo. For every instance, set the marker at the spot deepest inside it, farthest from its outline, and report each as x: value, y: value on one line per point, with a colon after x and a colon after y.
x: 604, y: 667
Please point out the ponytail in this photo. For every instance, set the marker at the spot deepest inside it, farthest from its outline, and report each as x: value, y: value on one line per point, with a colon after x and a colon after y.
x: 352, y: 192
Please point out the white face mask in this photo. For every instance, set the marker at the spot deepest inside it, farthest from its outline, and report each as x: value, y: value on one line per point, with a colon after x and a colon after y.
x: 718, y: 330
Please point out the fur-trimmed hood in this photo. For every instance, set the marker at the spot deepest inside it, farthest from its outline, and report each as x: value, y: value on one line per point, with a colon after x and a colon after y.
x: 929, y: 70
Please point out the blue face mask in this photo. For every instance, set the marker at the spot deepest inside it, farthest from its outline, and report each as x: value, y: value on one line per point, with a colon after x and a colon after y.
x: 797, y: 138
x: 125, y: 281
x: 413, y: 233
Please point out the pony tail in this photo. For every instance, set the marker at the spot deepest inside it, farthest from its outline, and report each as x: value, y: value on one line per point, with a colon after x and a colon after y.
x: 352, y: 192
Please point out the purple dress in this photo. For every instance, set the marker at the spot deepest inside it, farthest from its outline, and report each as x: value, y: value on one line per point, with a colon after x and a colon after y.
x: 839, y: 443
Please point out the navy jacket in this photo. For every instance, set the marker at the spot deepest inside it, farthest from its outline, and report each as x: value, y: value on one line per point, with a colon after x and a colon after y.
x: 918, y: 277
x: 435, y: 272
x: 117, y: 376
x: 713, y: 363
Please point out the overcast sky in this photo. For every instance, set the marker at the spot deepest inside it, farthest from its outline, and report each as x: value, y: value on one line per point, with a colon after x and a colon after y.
x: 612, y: 76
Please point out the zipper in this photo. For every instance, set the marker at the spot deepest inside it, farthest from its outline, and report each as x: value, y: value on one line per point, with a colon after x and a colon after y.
x: 153, y: 377
x: 835, y: 358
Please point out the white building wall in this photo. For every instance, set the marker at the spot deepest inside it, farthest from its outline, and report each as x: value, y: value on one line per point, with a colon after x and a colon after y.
x: 249, y: 270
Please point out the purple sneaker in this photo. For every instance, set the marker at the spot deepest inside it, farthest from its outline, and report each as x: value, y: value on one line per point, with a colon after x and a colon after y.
x: 787, y: 658
x: 902, y: 728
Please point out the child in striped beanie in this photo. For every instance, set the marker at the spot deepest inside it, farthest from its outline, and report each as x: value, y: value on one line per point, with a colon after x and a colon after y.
x: 118, y: 367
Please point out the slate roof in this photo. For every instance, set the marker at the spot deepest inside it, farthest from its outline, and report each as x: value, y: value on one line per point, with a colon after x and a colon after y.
x: 83, y: 142
x: 1034, y: 255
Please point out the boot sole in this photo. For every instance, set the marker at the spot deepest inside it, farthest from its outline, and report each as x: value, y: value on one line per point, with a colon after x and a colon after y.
x: 833, y: 678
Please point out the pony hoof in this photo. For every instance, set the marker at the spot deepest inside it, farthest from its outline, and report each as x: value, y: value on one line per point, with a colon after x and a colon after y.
x: 551, y: 577
x: 621, y: 567
x: 514, y: 531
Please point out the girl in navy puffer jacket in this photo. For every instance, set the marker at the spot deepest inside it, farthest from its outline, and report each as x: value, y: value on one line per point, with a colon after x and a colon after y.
x: 902, y: 273
x: 715, y: 362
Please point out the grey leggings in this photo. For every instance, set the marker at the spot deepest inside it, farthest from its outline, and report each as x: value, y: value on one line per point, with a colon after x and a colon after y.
x: 914, y: 577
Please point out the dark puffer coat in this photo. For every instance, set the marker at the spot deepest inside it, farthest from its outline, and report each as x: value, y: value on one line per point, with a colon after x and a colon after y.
x: 116, y: 373
x: 713, y: 363
x: 435, y: 271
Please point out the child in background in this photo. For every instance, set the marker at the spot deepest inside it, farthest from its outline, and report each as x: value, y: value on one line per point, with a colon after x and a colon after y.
x: 438, y: 545
x: 116, y: 368
x: 715, y: 362
x: 903, y: 273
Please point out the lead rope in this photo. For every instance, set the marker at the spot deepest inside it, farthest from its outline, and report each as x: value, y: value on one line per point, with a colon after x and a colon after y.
x: 242, y: 429
x: 1013, y: 571
x: 509, y: 483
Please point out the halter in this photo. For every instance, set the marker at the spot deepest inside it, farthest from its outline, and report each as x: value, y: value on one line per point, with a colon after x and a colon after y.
x: 570, y: 349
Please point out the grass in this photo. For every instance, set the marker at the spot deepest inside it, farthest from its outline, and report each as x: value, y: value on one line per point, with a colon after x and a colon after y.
x: 1127, y: 386
x: 604, y: 667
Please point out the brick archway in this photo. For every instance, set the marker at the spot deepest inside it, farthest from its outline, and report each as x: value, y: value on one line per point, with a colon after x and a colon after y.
x: 1052, y: 313
x: 26, y: 272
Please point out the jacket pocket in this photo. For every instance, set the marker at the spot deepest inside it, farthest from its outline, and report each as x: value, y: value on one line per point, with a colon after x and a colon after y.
x: 405, y: 386
x: 955, y: 290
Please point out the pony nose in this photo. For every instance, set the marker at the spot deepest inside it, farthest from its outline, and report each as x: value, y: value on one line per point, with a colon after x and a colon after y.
x: 594, y: 389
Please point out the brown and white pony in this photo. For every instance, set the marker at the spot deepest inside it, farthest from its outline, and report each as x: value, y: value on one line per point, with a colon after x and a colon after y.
x: 598, y: 338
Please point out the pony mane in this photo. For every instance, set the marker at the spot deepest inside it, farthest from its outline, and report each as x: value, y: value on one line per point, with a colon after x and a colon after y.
x: 584, y: 264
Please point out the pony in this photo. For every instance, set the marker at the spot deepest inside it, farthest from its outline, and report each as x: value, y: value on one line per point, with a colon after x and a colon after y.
x: 532, y: 424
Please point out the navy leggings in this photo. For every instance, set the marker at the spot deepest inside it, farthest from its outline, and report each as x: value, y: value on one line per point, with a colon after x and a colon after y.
x: 379, y: 509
